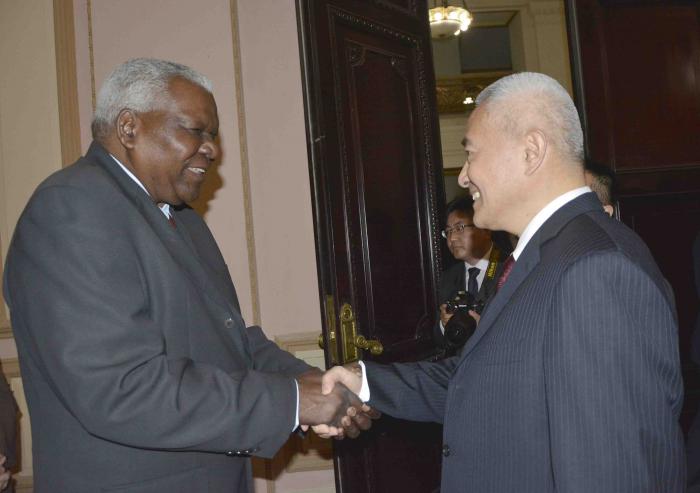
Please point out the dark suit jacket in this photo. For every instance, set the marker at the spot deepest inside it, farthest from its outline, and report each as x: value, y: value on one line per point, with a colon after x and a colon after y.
x: 139, y: 372
x: 571, y: 382
x: 453, y: 280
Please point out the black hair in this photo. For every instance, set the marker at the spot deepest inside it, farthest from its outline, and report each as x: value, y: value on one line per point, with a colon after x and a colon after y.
x: 603, y: 181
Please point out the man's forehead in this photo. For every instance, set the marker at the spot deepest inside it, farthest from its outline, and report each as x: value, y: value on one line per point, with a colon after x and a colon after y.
x: 458, y: 217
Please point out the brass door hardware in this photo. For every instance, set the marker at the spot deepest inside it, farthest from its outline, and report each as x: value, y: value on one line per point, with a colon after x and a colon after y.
x: 375, y: 347
x: 330, y: 323
x: 351, y: 340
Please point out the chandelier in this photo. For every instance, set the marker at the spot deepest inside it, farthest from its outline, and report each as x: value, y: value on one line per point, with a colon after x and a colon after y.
x: 448, y: 20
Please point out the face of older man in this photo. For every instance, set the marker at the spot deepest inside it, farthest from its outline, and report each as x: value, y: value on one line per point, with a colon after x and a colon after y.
x: 489, y: 171
x: 173, y: 147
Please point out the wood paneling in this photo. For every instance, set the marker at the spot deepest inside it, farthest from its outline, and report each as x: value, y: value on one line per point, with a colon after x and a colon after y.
x: 66, y: 78
x: 637, y: 73
x: 377, y: 186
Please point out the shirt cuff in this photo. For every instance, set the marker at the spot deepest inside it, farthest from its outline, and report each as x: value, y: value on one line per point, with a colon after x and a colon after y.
x: 364, y: 390
x: 296, y: 419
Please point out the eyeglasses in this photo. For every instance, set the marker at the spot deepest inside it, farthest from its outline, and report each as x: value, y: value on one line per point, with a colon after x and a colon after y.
x: 456, y: 229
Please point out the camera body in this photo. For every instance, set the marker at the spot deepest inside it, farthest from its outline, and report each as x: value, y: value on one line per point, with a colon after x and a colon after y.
x: 464, y: 301
x: 462, y: 325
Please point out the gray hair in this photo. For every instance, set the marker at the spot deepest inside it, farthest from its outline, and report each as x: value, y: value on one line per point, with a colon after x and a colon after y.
x: 548, y: 104
x: 140, y: 84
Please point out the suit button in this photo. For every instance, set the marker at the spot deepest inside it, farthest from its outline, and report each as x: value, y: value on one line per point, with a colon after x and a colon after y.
x: 446, y: 450
x: 231, y: 453
x: 229, y: 323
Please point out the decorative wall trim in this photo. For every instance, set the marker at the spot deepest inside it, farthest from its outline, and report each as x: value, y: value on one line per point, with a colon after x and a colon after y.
x: 451, y: 92
x: 245, y: 166
x: 92, y: 56
x: 67, y: 80
x: 10, y: 368
x: 5, y: 329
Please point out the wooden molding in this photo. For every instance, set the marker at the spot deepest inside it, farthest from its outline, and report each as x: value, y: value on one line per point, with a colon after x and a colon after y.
x: 24, y: 484
x: 5, y: 330
x: 245, y: 165
x: 10, y: 368
x: 66, y: 77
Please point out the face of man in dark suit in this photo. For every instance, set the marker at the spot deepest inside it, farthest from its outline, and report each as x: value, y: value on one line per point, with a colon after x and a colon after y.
x: 170, y: 148
x: 472, y: 243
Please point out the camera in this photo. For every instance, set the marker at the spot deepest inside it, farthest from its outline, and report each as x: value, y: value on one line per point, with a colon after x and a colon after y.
x: 461, y: 326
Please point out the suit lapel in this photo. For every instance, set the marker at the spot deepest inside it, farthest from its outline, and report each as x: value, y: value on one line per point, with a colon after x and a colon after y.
x: 177, y: 245
x: 526, y: 263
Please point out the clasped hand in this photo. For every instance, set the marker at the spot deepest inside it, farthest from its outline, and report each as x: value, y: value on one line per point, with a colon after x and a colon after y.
x: 328, y: 403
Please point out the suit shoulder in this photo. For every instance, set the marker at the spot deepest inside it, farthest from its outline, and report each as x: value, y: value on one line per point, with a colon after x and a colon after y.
x: 595, y: 234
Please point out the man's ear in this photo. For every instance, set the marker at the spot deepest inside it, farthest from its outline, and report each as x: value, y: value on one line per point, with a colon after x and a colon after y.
x: 535, y: 150
x: 127, y: 125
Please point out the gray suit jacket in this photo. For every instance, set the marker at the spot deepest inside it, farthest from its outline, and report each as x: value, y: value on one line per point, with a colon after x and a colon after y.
x: 139, y: 371
x: 571, y: 382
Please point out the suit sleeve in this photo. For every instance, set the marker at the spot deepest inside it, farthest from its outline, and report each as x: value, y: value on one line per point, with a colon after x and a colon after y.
x: 77, y: 290
x: 268, y: 357
x: 414, y: 391
x: 612, y: 379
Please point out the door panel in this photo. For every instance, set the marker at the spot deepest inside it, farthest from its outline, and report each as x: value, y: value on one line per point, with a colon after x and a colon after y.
x: 376, y: 180
x: 637, y: 74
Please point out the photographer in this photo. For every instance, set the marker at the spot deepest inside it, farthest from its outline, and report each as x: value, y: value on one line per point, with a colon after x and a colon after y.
x: 469, y: 284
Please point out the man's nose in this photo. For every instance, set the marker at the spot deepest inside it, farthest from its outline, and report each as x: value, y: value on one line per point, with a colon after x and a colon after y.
x: 210, y: 148
x: 463, y: 179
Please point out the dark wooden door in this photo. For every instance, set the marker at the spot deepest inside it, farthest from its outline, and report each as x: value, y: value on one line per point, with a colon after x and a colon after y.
x: 637, y: 74
x: 377, y: 195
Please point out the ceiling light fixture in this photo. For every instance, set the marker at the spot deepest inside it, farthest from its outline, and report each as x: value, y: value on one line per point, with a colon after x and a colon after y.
x: 448, y: 20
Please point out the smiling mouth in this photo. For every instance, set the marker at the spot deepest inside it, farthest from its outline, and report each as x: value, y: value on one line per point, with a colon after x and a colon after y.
x: 197, y: 171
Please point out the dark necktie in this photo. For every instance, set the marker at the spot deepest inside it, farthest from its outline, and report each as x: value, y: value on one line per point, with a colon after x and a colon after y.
x: 171, y: 220
x: 472, y: 284
x: 507, y: 267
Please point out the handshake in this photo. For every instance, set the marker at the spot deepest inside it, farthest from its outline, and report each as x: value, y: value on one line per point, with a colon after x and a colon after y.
x: 329, y: 402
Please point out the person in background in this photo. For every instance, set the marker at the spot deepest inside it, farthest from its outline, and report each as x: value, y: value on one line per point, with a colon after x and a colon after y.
x: 480, y: 263
x: 601, y: 179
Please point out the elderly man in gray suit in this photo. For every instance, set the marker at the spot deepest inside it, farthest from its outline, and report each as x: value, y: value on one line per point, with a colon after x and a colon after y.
x: 139, y: 371
x: 571, y: 382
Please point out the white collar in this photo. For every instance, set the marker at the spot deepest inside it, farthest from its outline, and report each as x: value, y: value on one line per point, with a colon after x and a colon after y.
x: 542, y: 216
x: 165, y: 208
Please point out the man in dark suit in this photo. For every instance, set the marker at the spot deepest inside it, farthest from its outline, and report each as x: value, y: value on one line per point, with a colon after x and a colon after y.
x: 571, y: 382
x: 139, y: 371
x: 479, y: 266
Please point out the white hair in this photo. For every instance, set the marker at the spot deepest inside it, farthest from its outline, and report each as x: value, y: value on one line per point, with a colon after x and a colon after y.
x: 545, y: 101
x: 139, y: 84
